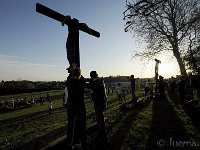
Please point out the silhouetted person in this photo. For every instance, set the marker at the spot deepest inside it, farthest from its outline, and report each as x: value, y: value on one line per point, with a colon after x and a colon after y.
x: 119, y: 92
x: 124, y: 95
x: 48, y: 98
x: 99, y: 97
x: 76, y: 108
x: 132, y: 80
x: 161, y: 86
x: 50, y: 106
x: 172, y: 84
x: 108, y: 90
x: 41, y: 100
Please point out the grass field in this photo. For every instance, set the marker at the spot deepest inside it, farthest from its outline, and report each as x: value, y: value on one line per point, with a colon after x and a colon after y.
x: 150, y: 125
x: 33, y: 127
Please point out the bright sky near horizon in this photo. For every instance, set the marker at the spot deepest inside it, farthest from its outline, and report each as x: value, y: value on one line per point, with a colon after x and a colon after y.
x: 32, y: 46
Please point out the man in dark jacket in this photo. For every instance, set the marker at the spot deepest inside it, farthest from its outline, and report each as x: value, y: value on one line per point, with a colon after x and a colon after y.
x: 76, y: 108
x: 133, y: 80
x: 99, y: 97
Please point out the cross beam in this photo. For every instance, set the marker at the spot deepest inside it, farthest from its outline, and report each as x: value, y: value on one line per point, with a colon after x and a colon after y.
x: 59, y: 17
x: 72, y: 44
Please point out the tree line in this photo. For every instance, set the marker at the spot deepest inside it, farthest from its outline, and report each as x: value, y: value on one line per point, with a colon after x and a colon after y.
x: 25, y: 86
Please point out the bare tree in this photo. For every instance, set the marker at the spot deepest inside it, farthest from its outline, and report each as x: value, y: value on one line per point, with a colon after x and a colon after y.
x: 165, y: 25
x: 192, y: 57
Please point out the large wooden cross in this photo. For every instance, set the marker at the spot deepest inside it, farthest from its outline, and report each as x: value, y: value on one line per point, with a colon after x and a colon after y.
x: 156, y: 74
x: 72, y: 44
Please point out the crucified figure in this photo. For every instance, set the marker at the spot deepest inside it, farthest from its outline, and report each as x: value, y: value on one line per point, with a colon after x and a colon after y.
x: 74, y: 26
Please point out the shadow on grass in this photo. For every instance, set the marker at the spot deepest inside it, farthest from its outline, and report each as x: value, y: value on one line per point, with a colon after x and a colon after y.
x: 123, y: 123
x: 39, y: 143
x: 166, y: 126
x: 31, y: 116
x: 193, y: 112
x: 191, y: 109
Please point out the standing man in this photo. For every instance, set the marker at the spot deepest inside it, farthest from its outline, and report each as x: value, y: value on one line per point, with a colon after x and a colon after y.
x: 76, y: 108
x: 99, y: 97
x: 161, y: 86
x: 132, y: 80
x: 49, y: 104
x: 119, y: 92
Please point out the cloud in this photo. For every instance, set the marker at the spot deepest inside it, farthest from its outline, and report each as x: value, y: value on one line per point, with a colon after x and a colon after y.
x: 20, y: 63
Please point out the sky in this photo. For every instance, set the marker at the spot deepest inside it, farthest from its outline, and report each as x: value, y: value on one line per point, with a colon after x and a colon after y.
x: 32, y: 46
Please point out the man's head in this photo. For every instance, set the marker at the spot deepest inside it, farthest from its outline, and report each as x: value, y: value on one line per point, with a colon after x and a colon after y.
x: 71, y: 67
x: 76, y: 72
x: 93, y: 74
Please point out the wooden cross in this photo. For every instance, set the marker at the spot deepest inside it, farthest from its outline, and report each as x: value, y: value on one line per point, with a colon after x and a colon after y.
x: 72, y: 44
x: 156, y: 74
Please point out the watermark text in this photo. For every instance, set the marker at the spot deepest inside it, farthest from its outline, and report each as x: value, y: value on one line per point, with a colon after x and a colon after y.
x: 178, y: 143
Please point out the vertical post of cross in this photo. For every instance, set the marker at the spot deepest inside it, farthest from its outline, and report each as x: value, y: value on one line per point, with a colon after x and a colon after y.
x: 156, y: 74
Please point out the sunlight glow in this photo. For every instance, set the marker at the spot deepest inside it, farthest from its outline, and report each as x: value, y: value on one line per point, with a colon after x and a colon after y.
x: 168, y: 69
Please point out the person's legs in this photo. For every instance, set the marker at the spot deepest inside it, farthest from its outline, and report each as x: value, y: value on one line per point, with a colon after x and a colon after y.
x: 119, y: 97
x: 81, y: 127
x: 70, y: 127
x: 133, y: 96
x: 124, y: 97
x: 101, y: 126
